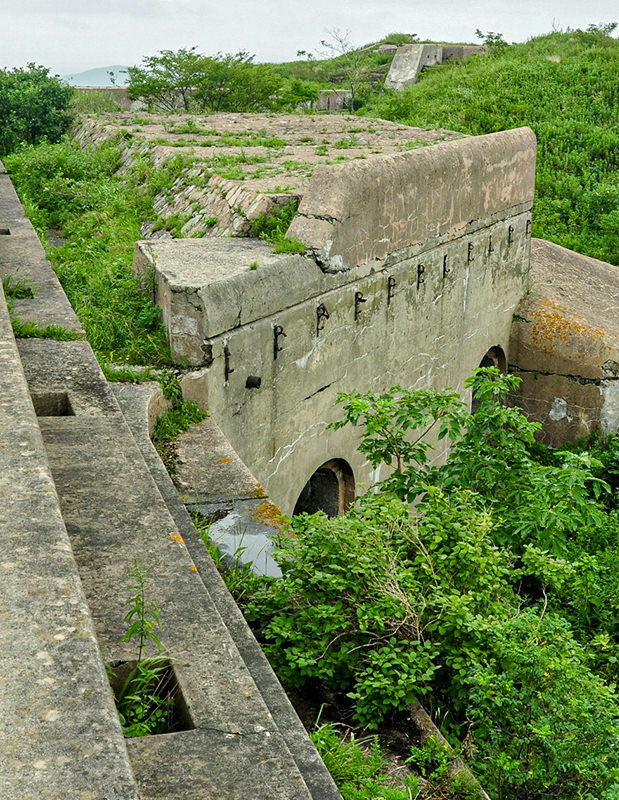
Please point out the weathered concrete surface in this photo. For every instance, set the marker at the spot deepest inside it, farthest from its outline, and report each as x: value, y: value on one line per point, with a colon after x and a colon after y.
x: 565, y: 344
x: 423, y: 313
x: 354, y: 213
x: 59, y: 731
x: 80, y: 500
x: 334, y: 100
x: 136, y: 403
x: 458, y: 52
x: 242, y: 165
x: 408, y: 62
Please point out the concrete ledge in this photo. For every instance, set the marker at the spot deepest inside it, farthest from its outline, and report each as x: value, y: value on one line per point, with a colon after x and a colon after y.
x: 135, y: 401
x: 59, y: 731
x: 360, y: 211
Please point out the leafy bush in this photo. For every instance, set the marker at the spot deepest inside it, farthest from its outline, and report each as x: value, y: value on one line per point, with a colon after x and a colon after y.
x: 468, y: 600
x: 188, y: 80
x: 34, y: 106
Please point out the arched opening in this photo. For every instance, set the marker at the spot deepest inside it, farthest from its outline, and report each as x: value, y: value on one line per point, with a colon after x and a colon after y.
x: 495, y: 357
x: 330, y: 489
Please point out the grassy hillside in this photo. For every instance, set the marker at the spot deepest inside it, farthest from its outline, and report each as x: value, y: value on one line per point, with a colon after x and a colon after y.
x: 564, y: 86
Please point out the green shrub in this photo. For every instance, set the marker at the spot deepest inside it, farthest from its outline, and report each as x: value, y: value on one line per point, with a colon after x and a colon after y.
x: 34, y: 106
x: 481, y: 599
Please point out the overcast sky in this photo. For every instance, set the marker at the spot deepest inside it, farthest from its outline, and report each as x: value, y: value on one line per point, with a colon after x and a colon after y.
x: 75, y: 35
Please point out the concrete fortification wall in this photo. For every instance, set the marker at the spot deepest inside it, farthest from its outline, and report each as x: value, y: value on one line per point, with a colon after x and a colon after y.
x: 565, y: 345
x: 415, y: 264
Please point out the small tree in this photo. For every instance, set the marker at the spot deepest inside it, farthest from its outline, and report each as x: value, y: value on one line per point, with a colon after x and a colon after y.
x: 189, y: 80
x: 34, y: 106
x: 167, y: 80
x: 353, y: 65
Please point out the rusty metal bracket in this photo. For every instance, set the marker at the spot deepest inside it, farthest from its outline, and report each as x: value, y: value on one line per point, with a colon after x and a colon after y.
x: 322, y: 315
x: 278, y: 332
x: 359, y: 299
x: 228, y: 370
x: 391, y: 284
x: 421, y: 277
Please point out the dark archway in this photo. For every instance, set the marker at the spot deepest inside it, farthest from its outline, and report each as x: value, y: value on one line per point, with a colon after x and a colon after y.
x: 495, y: 357
x: 330, y: 489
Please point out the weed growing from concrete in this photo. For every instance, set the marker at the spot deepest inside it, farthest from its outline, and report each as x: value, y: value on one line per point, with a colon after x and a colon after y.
x: 145, y: 701
x: 272, y: 227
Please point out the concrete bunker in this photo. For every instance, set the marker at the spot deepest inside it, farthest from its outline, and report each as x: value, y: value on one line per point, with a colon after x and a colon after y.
x: 414, y: 263
x: 331, y: 488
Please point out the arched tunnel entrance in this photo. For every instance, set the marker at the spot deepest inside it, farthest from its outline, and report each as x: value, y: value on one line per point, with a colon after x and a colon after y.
x: 495, y: 357
x: 330, y: 489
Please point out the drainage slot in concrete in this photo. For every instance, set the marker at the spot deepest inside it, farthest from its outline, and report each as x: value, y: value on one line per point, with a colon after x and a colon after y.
x: 52, y: 404
x: 148, y: 698
x: 4, y: 231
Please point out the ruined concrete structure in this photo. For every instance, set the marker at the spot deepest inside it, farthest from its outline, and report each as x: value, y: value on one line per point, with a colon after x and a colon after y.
x: 416, y: 270
x: 415, y: 265
x: 565, y: 345
x: 410, y: 59
x: 84, y: 496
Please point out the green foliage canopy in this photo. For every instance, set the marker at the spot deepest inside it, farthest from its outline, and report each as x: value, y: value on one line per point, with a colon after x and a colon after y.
x: 34, y: 106
x: 189, y: 80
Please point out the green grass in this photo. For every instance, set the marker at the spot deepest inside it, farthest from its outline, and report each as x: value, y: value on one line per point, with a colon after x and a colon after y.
x: 564, y: 86
x: 26, y: 329
x: 98, y: 212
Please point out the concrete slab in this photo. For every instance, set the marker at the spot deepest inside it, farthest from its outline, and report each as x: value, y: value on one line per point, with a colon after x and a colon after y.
x: 59, y: 731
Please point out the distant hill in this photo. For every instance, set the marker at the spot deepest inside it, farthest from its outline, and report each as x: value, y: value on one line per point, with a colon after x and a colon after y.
x: 98, y: 77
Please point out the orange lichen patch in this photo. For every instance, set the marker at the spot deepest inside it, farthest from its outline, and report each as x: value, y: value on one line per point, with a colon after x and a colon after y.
x: 225, y: 460
x: 554, y: 324
x: 177, y: 538
x: 269, y: 514
x: 255, y: 490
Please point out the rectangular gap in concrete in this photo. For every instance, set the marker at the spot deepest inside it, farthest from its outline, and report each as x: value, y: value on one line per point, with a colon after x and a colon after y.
x: 4, y: 231
x: 52, y: 404
x: 173, y: 711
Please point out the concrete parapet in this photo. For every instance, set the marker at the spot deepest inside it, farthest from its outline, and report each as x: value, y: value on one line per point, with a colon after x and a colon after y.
x: 363, y: 210
x: 565, y: 344
x: 458, y: 52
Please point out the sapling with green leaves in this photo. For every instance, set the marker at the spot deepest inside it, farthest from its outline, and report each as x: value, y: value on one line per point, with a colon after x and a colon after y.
x: 143, y: 614
x: 145, y: 702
